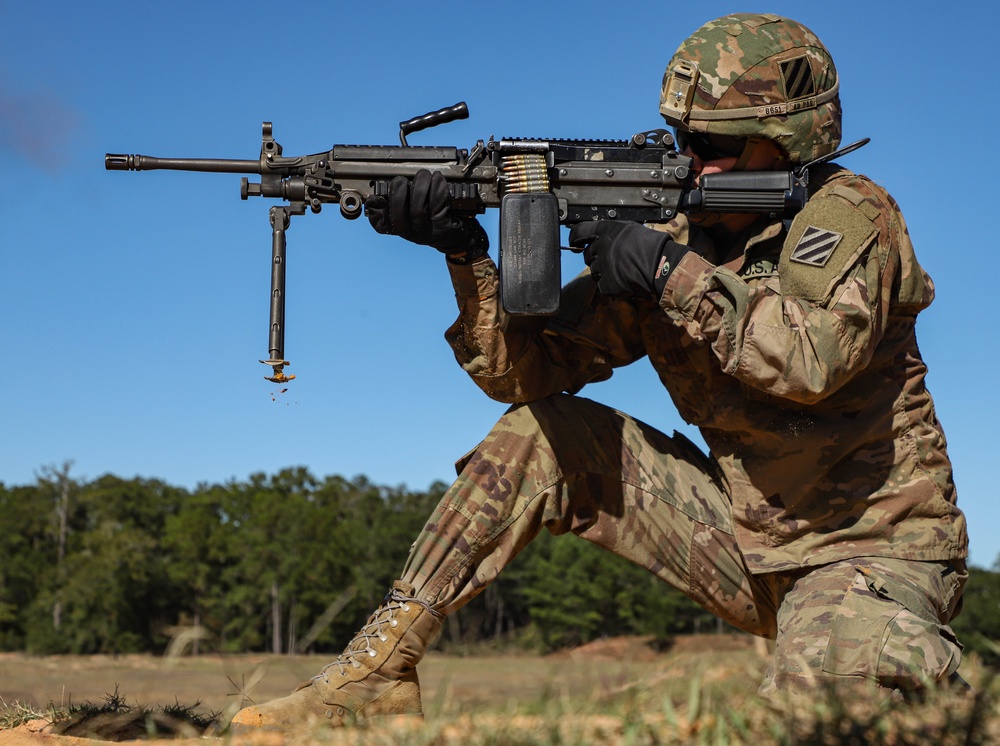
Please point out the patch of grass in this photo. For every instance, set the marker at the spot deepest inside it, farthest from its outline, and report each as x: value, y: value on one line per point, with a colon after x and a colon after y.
x: 14, y: 713
x: 939, y: 717
x: 114, y: 720
x: 695, y: 697
x: 704, y: 715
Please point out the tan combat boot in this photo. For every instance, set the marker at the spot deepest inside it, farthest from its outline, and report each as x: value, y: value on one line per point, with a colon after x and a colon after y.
x: 375, y: 675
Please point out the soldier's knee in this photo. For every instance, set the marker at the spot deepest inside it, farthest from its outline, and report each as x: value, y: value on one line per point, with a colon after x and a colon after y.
x: 875, y: 635
x: 862, y: 636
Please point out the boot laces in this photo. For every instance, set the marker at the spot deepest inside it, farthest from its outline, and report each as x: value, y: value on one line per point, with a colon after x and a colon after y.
x: 372, y: 633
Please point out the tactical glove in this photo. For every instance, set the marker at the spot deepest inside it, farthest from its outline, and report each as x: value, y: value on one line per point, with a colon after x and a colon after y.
x: 627, y: 260
x: 419, y: 211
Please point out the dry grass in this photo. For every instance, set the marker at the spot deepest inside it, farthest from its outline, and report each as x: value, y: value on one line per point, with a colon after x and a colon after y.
x: 618, y: 692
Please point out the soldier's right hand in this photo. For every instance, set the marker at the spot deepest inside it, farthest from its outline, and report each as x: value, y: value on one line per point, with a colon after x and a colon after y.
x: 420, y: 211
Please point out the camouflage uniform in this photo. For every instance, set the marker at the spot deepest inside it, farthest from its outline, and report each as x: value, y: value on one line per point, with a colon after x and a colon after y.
x: 826, y: 515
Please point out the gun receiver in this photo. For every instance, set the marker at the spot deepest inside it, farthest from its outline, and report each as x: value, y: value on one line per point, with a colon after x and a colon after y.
x: 538, y: 184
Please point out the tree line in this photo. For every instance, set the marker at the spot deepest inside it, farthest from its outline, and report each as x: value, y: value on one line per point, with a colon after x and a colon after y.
x: 294, y: 563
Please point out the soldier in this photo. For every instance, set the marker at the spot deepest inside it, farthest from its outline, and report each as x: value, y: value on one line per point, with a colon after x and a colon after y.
x: 824, y: 516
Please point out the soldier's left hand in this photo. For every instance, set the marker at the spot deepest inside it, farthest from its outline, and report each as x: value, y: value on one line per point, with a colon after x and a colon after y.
x: 420, y: 211
x: 627, y: 260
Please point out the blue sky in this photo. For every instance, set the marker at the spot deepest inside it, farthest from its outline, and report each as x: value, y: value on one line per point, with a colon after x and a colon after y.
x: 135, y: 305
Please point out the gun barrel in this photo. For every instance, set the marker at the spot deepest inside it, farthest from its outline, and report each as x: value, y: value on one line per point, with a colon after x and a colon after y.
x: 130, y: 162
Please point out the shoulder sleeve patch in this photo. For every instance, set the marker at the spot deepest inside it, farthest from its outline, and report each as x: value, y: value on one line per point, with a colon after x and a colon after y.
x: 824, y: 242
x: 815, y: 247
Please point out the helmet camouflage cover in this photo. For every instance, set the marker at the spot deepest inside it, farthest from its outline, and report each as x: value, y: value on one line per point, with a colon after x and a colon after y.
x: 750, y: 75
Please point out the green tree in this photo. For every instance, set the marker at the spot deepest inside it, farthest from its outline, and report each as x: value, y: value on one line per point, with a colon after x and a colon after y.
x: 366, y: 533
x: 288, y: 562
x: 576, y: 592
x: 113, y: 592
x: 284, y: 537
x: 26, y: 555
x: 195, y: 556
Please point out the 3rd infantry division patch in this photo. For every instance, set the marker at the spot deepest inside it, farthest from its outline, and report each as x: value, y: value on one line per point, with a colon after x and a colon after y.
x: 816, y: 246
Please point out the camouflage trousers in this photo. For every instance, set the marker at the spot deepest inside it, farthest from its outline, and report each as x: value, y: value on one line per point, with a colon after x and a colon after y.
x: 571, y: 465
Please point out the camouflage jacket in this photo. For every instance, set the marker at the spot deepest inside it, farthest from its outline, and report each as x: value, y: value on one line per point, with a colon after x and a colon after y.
x: 797, y: 360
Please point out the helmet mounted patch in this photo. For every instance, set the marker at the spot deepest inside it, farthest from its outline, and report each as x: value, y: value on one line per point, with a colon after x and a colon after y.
x: 796, y: 75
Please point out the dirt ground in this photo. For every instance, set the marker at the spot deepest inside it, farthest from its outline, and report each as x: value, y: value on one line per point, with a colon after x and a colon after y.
x: 480, y: 686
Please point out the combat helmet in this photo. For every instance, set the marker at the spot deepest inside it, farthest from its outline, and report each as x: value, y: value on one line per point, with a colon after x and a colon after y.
x: 749, y: 75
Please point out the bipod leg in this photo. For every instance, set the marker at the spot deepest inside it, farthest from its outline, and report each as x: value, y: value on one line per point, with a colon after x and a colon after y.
x: 280, y: 217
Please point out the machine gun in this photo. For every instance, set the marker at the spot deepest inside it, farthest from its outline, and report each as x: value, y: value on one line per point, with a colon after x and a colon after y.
x: 538, y: 185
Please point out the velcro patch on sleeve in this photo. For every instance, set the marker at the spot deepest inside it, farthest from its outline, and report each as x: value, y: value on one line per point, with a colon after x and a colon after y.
x: 823, y: 244
x: 816, y: 246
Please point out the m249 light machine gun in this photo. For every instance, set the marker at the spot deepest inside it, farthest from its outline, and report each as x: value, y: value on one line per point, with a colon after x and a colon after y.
x: 538, y: 185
